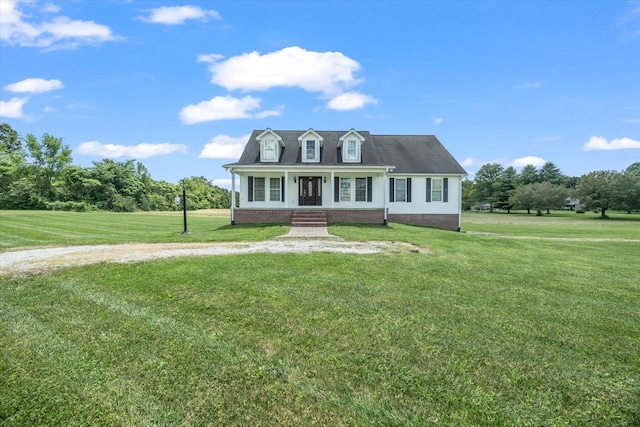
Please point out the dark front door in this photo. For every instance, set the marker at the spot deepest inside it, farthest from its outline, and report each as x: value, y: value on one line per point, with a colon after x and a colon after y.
x: 310, y: 191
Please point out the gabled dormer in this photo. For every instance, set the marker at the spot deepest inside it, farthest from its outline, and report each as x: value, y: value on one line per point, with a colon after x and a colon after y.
x: 310, y: 144
x: 271, y: 145
x: 351, y: 145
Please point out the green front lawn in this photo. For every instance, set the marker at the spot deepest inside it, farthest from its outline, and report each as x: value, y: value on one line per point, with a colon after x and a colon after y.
x: 509, y: 325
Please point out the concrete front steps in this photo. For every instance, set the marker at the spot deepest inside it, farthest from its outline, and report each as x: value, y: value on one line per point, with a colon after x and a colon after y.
x: 309, y: 219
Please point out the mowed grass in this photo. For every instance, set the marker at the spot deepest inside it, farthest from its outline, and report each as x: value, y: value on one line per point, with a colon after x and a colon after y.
x: 42, y: 228
x: 510, y: 325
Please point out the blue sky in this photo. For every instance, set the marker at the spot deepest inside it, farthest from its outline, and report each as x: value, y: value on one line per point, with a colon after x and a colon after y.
x: 180, y: 85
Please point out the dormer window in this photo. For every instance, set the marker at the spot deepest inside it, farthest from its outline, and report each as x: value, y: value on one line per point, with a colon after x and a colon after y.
x: 310, y: 145
x: 269, y: 150
x: 310, y: 154
x: 352, y: 154
x: 270, y: 146
x: 351, y: 144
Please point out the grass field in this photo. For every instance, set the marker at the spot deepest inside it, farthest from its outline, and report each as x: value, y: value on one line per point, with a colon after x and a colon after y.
x: 522, y: 320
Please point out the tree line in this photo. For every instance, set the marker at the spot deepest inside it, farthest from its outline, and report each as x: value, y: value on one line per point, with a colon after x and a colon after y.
x: 37, y: 173
x: 496, y: 187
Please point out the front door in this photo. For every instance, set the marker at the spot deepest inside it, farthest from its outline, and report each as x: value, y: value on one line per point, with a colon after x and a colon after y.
x: 310, y: 191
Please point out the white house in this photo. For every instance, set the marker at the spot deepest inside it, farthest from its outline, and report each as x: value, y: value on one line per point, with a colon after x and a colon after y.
x: 346, y: 176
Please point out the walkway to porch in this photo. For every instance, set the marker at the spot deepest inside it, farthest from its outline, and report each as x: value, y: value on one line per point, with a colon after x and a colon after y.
x: 308, y: 232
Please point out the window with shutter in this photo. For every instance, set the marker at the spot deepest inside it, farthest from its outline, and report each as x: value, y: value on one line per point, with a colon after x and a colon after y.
x: 258, y: 189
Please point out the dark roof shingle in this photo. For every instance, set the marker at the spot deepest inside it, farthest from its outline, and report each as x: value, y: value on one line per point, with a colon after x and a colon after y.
x: 408, y: 153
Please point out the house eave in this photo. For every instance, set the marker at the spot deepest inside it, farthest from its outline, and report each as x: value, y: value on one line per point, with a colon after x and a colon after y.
x: 307, y: 168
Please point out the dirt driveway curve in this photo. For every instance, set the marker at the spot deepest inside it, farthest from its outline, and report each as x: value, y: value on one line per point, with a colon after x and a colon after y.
x: 41, y: 260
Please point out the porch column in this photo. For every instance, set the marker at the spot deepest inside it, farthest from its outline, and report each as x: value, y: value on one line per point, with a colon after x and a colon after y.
x: 459, y: 203
x: 333, y: 190
x: 286, y: 189
x: 233, y: 197
x: 385, y: 194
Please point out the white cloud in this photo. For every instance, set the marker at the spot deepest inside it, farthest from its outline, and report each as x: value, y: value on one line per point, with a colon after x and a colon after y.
x: 437, y: 121
x: 600, y: 143
x: 350, y: 101
x: 209, y: 58
x: 13, y: 108
x: 226, y: 183
x: 529, y: 85
x: 224, y: 107
x: 140, y: 151
x: 469, y: 161
x: 34, y: 85
x: 50, y: 8
x: 327, y: 72
x: 224, y: 147
x: 176, y: 15
x: 631, y: 121
x: 59, y: 32
x: 528, y: 160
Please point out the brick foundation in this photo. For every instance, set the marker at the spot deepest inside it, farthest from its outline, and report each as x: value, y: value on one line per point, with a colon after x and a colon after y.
x: 261, y: 216
x: 358, y: 216
x: 444, y: 221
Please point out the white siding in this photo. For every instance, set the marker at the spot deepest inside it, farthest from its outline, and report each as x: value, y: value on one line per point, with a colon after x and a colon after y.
x: 419, y: 205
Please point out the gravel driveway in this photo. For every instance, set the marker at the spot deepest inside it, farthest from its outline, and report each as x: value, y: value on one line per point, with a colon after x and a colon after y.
x: 42, y: 260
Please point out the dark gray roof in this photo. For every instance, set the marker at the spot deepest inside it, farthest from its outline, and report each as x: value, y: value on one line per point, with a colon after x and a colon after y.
x: 408, y: 153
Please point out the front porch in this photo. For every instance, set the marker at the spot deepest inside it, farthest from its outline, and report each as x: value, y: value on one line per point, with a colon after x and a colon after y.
x: 286, y: 216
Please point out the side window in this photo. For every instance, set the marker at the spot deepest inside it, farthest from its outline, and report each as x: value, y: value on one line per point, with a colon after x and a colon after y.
x: 436, y: 190
x: 401, y: 190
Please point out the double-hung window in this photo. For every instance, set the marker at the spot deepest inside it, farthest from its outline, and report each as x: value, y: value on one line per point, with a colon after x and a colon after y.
x: 345, y: 189
x: 438, y: 190
x: 274, y: 189
x: 310, y: 151
x: 361, y: 189
x: 401, y: 190
x: 350, y: 151
x: 258, y: 189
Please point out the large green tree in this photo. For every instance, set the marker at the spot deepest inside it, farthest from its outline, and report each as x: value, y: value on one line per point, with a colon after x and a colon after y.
x: 549, y: 172
x: 528, y: 175
x: 599, y: 190
x: 628, y: 187
x: 505, y: 187
x: 487, y: 183
x: 202, y: 194
x: 12, y: 166
x: 49, y: 156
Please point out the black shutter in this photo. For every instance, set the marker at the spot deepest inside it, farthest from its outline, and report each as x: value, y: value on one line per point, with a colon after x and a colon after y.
x: 336, y: 189
x: 282, y: 189
x: 391, y: 190
x: 408, y: 189
x: 445, y: 190
x: 369, y: 189
x: 250, y: 194
x: 428, y: 189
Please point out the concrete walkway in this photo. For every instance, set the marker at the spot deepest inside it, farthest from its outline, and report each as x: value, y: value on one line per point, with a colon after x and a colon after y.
x: 308, y: 232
